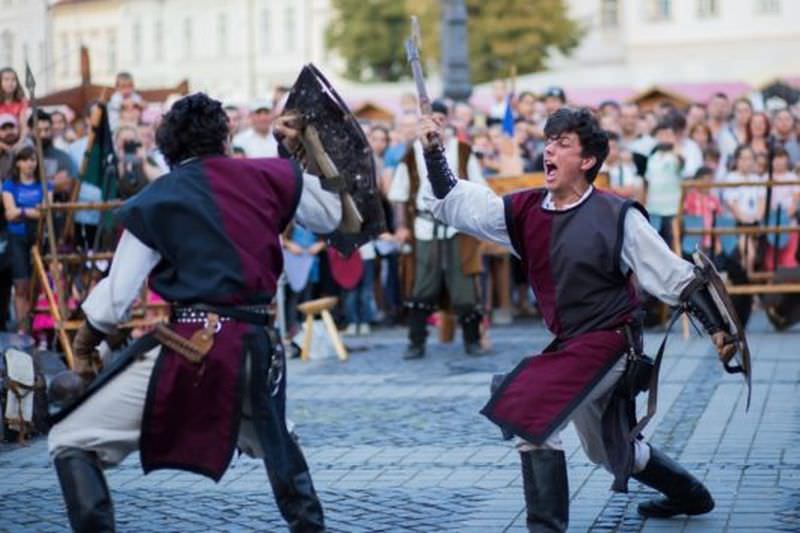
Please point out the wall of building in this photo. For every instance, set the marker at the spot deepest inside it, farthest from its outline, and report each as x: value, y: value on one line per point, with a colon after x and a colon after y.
x: 23, y: 37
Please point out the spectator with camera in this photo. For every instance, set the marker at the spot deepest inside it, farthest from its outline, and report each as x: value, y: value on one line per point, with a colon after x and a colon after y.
x: 134, y: 167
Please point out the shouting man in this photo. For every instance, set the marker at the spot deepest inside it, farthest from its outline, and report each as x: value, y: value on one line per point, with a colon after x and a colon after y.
x: 579, y: 247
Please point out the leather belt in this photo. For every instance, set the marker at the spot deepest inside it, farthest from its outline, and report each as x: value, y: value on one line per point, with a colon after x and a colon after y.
x: 198, y: 314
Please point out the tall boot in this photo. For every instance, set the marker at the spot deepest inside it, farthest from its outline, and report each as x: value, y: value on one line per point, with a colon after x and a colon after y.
x: 298, y: 502
x: 417, y: 330
x: 471, y: 330
x: 85, y: 491
x: 544, y: 479
x: 685, y: 494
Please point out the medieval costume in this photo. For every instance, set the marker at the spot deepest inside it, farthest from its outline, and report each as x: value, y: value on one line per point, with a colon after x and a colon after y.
x: 443, y: 257
x: 579, y: 260
x: 207, y: 235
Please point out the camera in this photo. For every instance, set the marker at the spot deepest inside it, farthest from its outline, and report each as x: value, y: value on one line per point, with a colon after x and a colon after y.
x: 130, y: 147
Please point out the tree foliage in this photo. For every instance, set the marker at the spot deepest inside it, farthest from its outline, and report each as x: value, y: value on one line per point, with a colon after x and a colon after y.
x: 370, y: 35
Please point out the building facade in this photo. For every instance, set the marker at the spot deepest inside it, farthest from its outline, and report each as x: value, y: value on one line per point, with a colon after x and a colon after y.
x: 24, y: 36
x: 638, y: 43
x: 236, y: 50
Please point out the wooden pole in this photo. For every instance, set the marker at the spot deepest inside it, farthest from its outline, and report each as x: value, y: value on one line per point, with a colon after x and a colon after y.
x: 46, y: 203
x: 41, y: 274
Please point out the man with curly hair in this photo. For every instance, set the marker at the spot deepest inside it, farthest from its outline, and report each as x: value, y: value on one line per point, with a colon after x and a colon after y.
x: 207, y: 236
x: 579, y: 246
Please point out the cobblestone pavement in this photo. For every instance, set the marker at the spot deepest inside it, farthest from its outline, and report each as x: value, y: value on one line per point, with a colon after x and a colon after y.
x: 400, y: 446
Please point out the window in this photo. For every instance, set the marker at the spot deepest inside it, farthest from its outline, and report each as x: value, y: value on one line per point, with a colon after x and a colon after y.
x: 136, y: 41
x: 111, y: 50
x: 187, y: 38
x: 158, y: 40
x: 768, y: 7
x: 222, y: 35
x: 290, y: 29
x: 707, y: 9
x: 659, y: 10
x: 63, y: 54
x: 7, y: 47
x: 265, y: 31
x: 609, y: 13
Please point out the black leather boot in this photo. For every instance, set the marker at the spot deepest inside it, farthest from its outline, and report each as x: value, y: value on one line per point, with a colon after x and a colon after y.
x: 685, y: 494
x: 417, y: 331
x: 471, y: 330
x: 85, y: 491
x: 544, y: 479
x: 298, y: 502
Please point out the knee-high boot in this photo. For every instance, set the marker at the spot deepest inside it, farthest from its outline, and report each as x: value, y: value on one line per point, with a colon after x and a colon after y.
x: 297, y: 500
x: 85, y: 491
x: 544, y: 478
x: 685, y: 494
x: 417, y: 330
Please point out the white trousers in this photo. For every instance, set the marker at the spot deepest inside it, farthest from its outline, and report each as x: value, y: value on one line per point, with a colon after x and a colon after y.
x: 588, y: 419
x: 109, y: 422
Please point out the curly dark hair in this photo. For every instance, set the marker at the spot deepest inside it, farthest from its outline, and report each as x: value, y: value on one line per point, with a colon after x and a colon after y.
x: 581, y: 121
x: 195, y: 126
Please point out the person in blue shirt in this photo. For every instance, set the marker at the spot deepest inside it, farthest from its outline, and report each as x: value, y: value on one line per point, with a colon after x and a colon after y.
x: 22, y: 196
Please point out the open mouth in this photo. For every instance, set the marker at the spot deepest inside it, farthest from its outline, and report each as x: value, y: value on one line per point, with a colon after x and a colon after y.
x: 550, y: 169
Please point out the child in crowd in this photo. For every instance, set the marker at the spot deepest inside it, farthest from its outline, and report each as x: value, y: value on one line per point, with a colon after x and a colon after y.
x: 783, y: 198
x: 125, y: 96
x: 703, y: 203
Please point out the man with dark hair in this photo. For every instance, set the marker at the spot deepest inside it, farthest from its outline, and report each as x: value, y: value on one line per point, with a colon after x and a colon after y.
x: 58, y: 165
x: 213, y: 379
x: 579, y: 247
x: 9, y: 137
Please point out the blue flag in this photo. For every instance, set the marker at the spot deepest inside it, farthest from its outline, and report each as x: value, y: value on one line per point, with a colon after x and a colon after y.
x: 508, y: 117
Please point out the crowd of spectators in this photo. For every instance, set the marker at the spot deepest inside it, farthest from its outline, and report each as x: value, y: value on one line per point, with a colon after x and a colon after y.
x: 653, y: 151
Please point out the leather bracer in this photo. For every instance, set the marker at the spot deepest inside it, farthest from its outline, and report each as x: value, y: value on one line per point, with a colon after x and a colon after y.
x: 699, y: 302
x: 439, y: 173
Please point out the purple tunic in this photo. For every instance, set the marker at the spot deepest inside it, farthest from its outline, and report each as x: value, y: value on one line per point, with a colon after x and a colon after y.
x: 572, y: 259
x: 216, y: 222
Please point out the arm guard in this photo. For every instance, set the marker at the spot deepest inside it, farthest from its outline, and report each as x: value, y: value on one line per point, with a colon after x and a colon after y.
x: 439, y: 173
x: 699, y: 302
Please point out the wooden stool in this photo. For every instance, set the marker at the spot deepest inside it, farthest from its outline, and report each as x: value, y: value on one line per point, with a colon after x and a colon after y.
x: 322, y: 307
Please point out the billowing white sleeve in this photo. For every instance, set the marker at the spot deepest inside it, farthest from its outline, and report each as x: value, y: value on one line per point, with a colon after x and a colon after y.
x: 319, y: 211
x: 110, y: 301
x: 659, y: 271
x: 473, y: 209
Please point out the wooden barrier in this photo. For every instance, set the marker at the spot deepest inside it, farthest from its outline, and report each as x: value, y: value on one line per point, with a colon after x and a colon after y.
x: 766, y: 286
x: 57, y: 306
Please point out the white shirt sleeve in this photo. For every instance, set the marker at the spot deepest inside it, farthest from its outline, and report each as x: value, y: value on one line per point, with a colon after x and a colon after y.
x: 319, y: 211
x: 473, y: 209
x: 400, y: 190
x: 110, y: 301
x: 659, y: 271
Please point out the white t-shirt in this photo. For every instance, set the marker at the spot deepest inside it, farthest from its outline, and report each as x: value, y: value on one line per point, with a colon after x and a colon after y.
x: 256, y: 145
x: 745, y: 198
x: 401, y: 188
